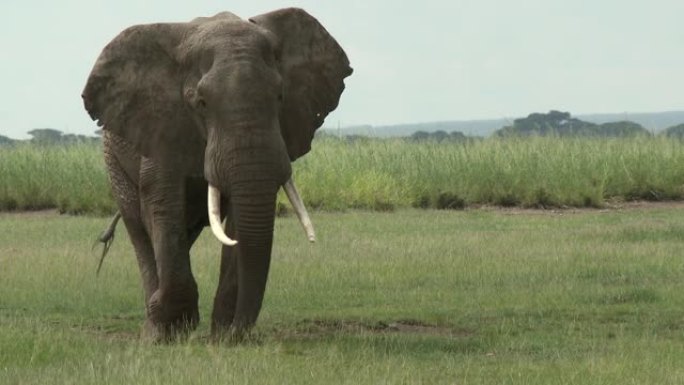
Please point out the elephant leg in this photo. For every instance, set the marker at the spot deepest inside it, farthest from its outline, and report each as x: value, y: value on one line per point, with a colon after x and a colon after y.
x: 196, y: 208
x: 172, y: 308
x: 144, y: 253
x: 128, y: 200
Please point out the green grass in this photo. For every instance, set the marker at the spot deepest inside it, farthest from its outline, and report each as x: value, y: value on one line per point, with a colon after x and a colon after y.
x: 71, y: 178
x: 415, y: 296
x: 529, y: 172
x: 392, y: 173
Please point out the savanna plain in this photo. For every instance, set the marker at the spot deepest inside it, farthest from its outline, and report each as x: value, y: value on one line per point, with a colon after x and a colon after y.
x: 392, y: 292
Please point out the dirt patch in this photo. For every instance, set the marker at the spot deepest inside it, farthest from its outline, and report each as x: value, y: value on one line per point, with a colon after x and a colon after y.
x: 113, y: 335
x: 320, y: 328
x: 115, y: 328
x: 32, y: 213
x: 112, y: 330
x: 608, y: 208
x: 647, y: 205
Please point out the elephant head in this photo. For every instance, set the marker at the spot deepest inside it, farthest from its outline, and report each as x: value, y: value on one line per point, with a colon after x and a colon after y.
x: 232, y: 100
x: 237, y: 100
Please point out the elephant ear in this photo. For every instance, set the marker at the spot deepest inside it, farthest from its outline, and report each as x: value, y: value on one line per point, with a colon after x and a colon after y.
x: 313, y: 68
x: 135, y: 92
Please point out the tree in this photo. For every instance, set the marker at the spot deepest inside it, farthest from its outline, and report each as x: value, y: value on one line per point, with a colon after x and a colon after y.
x: 457, y: 136
x: 563, y: 124
x: 45, y: 135
x: 52, y: 136
x: 420, y: 135
x: 438, y: 136
x: 675, y: 131
x: 5, y: 140
x: 554, y: 123
x: 623, y: 128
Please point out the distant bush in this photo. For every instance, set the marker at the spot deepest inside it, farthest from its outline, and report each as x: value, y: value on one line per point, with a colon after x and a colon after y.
x: 385, y: 174
x: 675, y: 131
x: 5, y: 140
x: 437, y: 136
x: 621, y: 129
x: 557, y: 123
x: 49, y: 136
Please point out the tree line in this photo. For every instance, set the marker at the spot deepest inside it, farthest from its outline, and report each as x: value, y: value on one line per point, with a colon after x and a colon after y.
x: 563, y: 124
x: 553, y: 123
x: 53, y: 136
x: 556, y: 123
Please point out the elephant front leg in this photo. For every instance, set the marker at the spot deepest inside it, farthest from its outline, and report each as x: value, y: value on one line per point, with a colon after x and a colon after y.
x: 172, y: 308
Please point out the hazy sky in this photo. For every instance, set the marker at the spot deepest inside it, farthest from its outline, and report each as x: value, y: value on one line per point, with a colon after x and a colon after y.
x: 414, y: 61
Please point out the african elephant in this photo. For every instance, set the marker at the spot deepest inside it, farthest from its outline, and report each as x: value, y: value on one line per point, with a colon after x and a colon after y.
x: 201, y: 121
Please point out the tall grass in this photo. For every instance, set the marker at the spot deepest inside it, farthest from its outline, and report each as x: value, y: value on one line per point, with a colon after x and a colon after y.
x: 391, y: 173
x: 71, y: 178
x: 538, y: 171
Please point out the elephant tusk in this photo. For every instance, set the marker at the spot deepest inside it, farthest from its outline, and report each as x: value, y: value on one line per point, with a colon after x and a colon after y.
x: 300, y: 209
x: 214, y: 205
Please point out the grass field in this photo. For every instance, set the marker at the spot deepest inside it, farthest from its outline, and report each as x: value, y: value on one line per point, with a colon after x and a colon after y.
x: 393, y: 173
x: 416, y: 296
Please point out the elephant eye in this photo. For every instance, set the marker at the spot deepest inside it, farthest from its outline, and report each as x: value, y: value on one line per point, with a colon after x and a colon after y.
x: 201, y: 106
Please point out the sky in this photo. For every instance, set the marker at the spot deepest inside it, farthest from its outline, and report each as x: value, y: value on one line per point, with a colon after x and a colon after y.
x: 414, y: 61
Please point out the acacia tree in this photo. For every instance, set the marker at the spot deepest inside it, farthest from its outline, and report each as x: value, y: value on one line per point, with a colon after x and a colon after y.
x: 5, y: 140
x: 45, y: 135
x: 675, y: 131
x: 438, y: 136
x: 563, y: 124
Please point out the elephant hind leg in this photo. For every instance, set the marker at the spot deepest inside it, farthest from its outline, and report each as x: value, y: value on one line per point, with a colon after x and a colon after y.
x: 122, y: 165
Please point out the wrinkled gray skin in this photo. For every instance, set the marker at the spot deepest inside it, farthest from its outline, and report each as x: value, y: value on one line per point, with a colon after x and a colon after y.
x: 218, y: 100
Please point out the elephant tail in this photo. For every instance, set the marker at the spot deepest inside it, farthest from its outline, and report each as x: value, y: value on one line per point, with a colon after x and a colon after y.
x: 106, y: 238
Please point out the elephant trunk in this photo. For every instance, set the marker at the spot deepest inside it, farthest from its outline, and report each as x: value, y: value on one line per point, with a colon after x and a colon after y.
x: 249, y: 169
x: 253, y: 213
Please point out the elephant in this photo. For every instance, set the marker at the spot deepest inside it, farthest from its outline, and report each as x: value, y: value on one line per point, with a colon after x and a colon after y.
x: 201, y: 121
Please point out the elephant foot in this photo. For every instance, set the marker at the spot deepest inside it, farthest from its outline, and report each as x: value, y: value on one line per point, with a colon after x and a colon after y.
x: 163, y: 333
x: 232, y: 328
x: 169, y: 321
x: 151, y: 333
x: 233, y: 335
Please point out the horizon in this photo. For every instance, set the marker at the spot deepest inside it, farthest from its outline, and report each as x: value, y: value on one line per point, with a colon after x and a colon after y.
x: 426, y: 123
x: 458, y: 61
x: 511, y: 118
